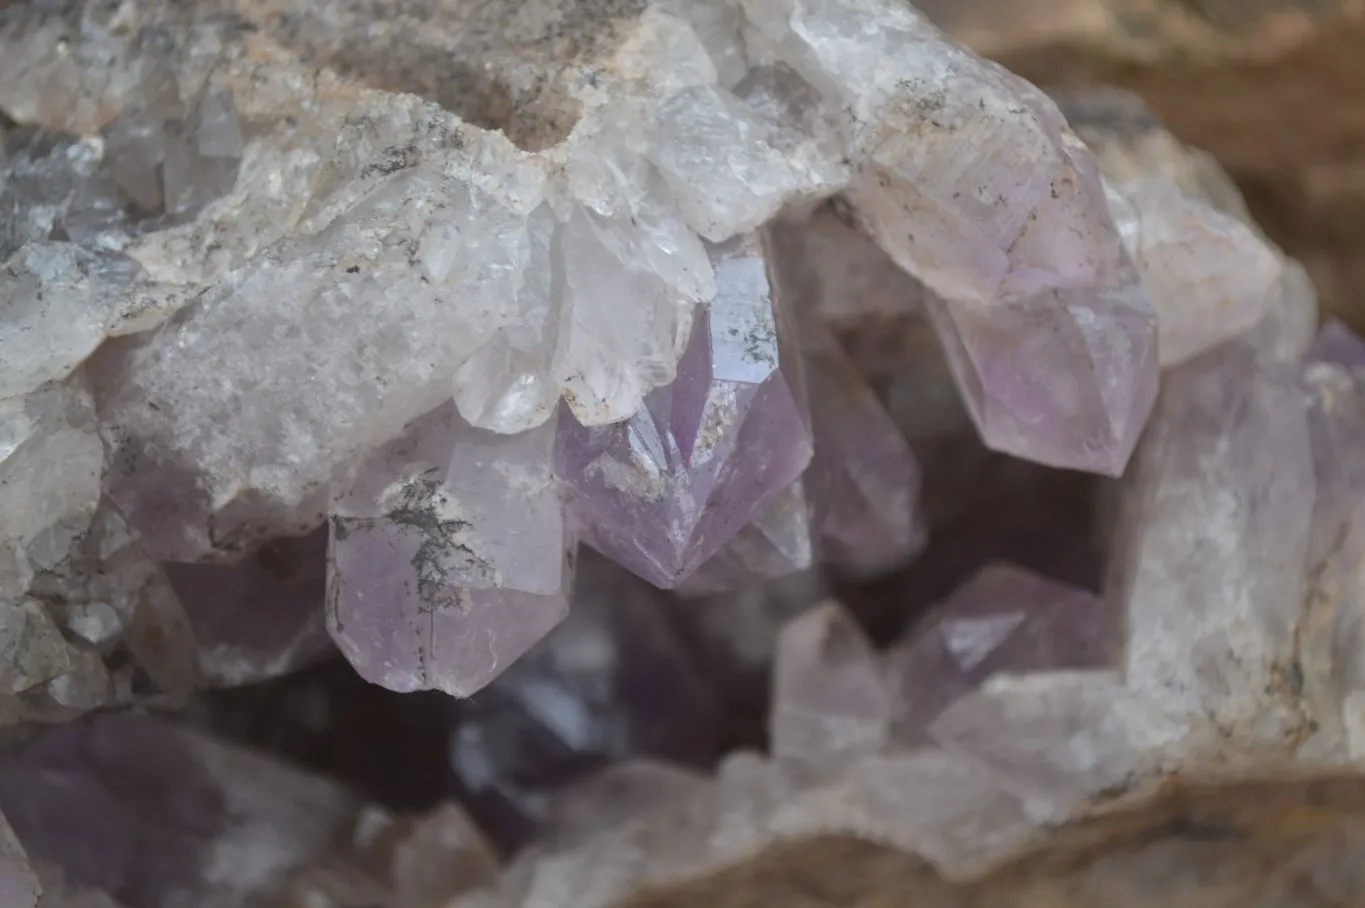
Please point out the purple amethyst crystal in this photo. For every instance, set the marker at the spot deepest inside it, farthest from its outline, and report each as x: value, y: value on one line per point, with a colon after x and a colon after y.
x: 450, y: 555
x: 1334, y: 639
x: 665, y: 490
x: 1066, y: 378
x: 160, y: 817
x: 864, y: 480
x: 1005, y: 620
x: 261, y: 617
x: 829, y: 699
x: 1211, y: 540
x: 776, y: 543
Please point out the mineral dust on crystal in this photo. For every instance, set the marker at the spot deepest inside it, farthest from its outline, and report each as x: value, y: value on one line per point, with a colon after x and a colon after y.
x: 450, y: 555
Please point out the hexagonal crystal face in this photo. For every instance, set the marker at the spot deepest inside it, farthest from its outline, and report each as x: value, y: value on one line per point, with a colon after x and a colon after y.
x: 450, y: 555
x: 663, y: 491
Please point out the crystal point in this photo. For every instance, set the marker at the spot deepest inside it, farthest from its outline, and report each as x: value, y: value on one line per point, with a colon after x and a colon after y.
x: 1066, y: 378
x: 1213, y: 535
x: 830, y: 702
x: 1005, y: 620
x: 864, y: 478
x: 450, y: 556
x: 665, y: 490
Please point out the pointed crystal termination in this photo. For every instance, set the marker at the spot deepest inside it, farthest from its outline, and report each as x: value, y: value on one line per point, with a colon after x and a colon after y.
x: 829, y: 700
x: 1052, y: 335
x: 665, y: 490
x: 1209, y: 272
x: 1005, y: 620
x: 201, y: 159
x: 776, y: 543
x: 1066, y: 378
x: 965, y: 174
x: 864, y: 480
x: 1213, y: 532
x: 260, y: 617
x: 450, y: 555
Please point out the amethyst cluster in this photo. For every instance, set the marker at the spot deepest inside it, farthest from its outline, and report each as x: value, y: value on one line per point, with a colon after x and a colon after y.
x: 627, y: 385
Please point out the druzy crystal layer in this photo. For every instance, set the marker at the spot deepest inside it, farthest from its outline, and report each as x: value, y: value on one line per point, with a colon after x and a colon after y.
x: 313, y: 341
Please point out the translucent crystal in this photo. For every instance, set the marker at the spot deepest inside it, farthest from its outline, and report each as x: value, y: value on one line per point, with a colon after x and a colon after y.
x: 191, y: 489
x: 829, y: 699
x: 506, y: 384
x: 665, y: 490
x: 1210, y: 273
x: 864, y: 480
x: 1209, y: 276
x: 776, y: 543
x: 766, y: 158
x: 1213, y: 536
x: 260, y: 617
x: 155, y: 815
x: 632, y: 272
x: 201, y: 158
x: 963, y: 172
x: 1005, y: 620
x: 1066, y: 378
x: 56, y: 187
x: 450, y: 555
x: 1331, y: 635
x: 60, y: 299
x: 125, y: 632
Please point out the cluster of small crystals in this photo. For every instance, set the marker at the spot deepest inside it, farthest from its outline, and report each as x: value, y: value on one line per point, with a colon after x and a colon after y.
x: 277, y: 295
x: 255, y: 309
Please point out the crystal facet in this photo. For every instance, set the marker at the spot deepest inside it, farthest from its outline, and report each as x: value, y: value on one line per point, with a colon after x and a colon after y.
x: 450, y: 555
x: 1005, y: 620
x: 829, y: 700
x: 666, y: 489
